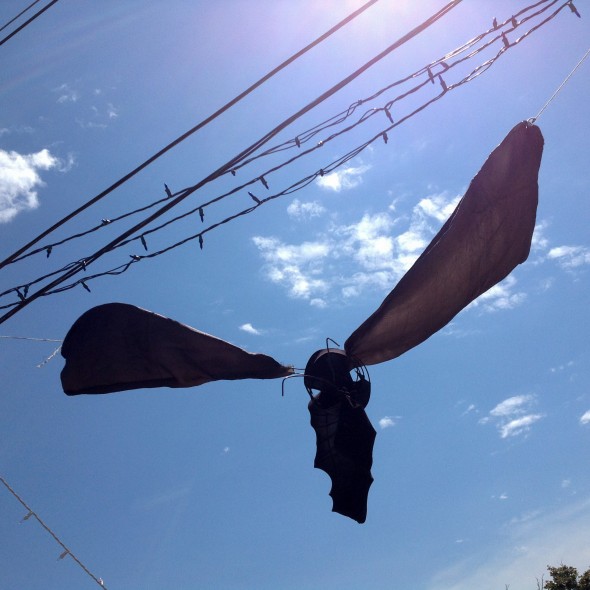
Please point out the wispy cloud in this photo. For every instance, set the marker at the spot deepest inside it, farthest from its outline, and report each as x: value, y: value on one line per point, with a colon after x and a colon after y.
x: 250, y: 329
x: 372, y: 253
x: 19, y: 179
x: 66, y: 93
x: 585, y: 418
x: 343, y: 179
x: 501, y: 296
x: 170, y: 496
x: 525, y: 548
x: 513, y: 416
x: 570, y: 257
x: 387, y: 422
x: 298, y: 268
x: 299, y: 210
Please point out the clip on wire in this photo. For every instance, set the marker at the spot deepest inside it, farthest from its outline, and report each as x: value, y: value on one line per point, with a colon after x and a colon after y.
x: 574, y: 9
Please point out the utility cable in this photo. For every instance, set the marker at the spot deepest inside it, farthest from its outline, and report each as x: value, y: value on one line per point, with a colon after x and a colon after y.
x: 28, y: 22
x: 228, y: 166
x: 190, y: 132
x: 552, y: 98
x: 66, y: 550
x: 327, y: 169
x: 442, y: 64
x: 19, y: 15
x: 381, y: 135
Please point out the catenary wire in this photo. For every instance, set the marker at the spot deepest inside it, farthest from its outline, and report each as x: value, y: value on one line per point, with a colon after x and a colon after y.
x: 382, y: 134
x: 233, y: 162
x: 66, y: 551
x: 297, y: 186
x: 191, y: 131
x: 306, y: 136
x: 27, y: 22
x: 5, y: 25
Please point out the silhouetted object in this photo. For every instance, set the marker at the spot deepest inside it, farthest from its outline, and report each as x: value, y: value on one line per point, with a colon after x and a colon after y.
x: 344, y: 434
x: 115, y: 347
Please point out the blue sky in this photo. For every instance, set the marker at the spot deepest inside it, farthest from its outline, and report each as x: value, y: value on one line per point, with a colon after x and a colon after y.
x: 483, y: 430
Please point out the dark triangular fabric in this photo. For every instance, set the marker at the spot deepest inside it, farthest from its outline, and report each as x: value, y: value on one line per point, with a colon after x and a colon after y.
x: 115, y: 347
x: 487, y: 235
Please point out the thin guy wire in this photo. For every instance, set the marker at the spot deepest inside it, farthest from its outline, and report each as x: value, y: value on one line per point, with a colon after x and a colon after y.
x: 234, y: 161
x: 297, y: 186
x: 27, y: 22
x: 305, y: 136
x: 19, y: 15
x: 533, y: 119
x: 33, y: 339
x: 191, y: 131
x: 32, y: 513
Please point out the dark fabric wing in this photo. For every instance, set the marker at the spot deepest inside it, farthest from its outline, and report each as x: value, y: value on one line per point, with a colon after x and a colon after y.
x: 116, y: 347
x: 488, y: 234
x: 344, y: 440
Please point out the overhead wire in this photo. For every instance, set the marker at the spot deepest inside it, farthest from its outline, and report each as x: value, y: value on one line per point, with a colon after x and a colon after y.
x: 7, y: 24
x: 228, y: 166
x: 305, y: 136
x: 191, y: 131
x: 66, y: 550
x: 27, y: 22
x: 560, y: 88
x: 304, y: 182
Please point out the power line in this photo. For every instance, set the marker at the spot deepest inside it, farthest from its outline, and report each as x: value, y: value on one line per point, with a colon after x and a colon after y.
x: 228, y: 166
x: 28, y: 22
x: 305, y: 136
x: 190, y: 132
x: 66, y: 551
x: 19, y: 15
x: 430, y: 75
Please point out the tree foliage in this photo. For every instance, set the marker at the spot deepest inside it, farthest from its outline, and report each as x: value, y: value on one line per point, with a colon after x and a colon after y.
x: 565, y: 577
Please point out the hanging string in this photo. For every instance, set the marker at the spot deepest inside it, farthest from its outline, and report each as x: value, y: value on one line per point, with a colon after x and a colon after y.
x: 533, y: 119
x: 66, y: 551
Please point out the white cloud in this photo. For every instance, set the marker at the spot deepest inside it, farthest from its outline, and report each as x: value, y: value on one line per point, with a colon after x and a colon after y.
x: 368, y: 254
x: 539, y: 241
x: 522, y: 553
x: 386, y: 422
x: 501, y: 296
x: 585, y: 418
x: 512, y: 416
x: 512, y: 405
x: 299, y: 210
x: 250, y: 329
x: 518, y: 425
x: 570, y: 257
x: 298, y: 268
x: 18, y: 180
x: 66, y: 94
x: 343, y: 179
